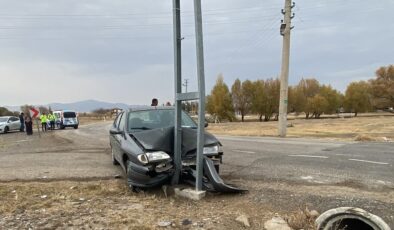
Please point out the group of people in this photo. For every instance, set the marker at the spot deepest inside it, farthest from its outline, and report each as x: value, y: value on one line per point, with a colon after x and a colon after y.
x: 26, y: 123
x: 46, y: 120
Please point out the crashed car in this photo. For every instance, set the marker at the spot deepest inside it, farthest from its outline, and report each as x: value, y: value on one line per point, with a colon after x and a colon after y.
x: 142, y: 143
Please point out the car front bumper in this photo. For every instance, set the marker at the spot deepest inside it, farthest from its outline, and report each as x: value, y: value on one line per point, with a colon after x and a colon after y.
x: 145, y: 177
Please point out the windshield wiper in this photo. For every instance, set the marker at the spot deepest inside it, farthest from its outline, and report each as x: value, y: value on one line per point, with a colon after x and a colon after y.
x: 142, y: 128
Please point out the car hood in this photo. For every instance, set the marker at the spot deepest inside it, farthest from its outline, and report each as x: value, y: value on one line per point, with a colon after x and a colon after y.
x: 163, y: 140
x: 3, y: 123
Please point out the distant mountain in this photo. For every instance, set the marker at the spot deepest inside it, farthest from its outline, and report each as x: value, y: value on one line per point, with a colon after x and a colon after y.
x: 80, y: 106
x: 87, y: 106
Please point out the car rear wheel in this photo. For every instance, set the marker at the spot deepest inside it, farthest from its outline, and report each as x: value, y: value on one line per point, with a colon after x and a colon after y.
x: 114, y: 161
x: 76, y: 127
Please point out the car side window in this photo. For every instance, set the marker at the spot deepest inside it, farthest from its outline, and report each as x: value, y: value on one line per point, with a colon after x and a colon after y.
x: 13, y: 119
x: 122, y: 122
x: 117, y: 119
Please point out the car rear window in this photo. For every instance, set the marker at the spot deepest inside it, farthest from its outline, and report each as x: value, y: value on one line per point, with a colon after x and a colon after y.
x: 69, y: 115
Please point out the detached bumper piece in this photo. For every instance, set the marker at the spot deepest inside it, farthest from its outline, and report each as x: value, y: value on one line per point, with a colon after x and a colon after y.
x: 211, y: 180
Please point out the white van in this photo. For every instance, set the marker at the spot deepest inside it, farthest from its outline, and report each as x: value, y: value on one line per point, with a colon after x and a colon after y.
x: 68, y: 118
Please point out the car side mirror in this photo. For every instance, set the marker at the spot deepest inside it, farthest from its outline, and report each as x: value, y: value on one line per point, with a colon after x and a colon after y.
x: 8, y: 121
x: 115, y: 131
x: 206, y: 124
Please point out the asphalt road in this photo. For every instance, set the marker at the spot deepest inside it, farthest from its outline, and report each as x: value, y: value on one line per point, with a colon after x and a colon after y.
x: 309, y: 161
x: 84, y: 153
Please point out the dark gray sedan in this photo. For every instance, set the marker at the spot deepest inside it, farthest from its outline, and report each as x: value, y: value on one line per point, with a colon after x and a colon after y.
x: 142, y: 143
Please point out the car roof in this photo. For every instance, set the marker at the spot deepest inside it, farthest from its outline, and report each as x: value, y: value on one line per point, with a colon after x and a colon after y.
x: 148, y: 108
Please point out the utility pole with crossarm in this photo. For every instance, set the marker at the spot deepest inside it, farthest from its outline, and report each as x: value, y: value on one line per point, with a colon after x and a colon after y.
x: 285, y: 30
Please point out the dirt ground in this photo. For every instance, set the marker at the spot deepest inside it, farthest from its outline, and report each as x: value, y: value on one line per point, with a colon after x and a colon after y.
x: 369, y: 127
x: 109, y: 204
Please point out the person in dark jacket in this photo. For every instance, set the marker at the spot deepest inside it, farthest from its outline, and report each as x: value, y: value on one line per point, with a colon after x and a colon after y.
x: 29, y: 126
x: 22, y: 120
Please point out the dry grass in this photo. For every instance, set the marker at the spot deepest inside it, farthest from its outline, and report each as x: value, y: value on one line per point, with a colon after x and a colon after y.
x: 371, y: 128
x: 301, y: 220
x: 110, y: 205
x: 84, y: 120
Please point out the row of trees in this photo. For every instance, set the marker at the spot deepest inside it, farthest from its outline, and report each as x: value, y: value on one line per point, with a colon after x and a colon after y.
x: 261, y: 97
x: 5, y: 112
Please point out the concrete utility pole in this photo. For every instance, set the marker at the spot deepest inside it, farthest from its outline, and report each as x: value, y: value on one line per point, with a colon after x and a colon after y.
x: 178, y: 90
x: 284, y: 76
x: 201, y: 87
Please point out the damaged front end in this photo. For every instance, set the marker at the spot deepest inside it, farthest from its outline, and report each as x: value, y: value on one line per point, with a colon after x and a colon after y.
x: 157, y: 161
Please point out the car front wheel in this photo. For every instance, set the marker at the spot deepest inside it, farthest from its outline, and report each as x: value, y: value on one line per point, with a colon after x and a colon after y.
x: 6, y: 129
x: 133, y: 188
x: 114, y: 161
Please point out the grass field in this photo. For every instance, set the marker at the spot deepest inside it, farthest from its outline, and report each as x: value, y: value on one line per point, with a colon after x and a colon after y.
x: 365, y: 127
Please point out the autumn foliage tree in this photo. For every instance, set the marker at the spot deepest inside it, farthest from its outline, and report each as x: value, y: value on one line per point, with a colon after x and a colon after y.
x: 383, y: 87
x: 358, y: 97
x: 242, y: 95
x: 219, y: 102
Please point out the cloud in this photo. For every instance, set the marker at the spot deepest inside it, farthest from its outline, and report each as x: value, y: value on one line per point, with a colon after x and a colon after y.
x: 122, y: 51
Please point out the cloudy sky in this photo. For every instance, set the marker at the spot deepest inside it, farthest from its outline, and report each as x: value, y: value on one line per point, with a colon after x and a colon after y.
x: 122, y: 51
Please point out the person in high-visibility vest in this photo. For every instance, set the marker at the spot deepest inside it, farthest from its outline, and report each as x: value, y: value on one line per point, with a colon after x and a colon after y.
x: 52, y: 119
x: 44, y: 121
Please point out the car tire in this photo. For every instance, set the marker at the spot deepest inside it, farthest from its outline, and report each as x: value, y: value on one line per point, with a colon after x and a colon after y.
x: 62, y: 127
x: 114, y: 161
x: 133, y: 188
x: 6, y: 129
x: 76, y: 127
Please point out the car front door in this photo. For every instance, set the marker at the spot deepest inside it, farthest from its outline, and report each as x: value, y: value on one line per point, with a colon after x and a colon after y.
x: 15, y: 123
x: 116, y: 138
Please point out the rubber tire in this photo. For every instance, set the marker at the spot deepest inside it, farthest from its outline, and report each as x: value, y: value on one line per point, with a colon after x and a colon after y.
x: 6, y: 129
x: 114, y: 161
x: 134, y: 189
x: 76, y: 127
x: 62, y: 127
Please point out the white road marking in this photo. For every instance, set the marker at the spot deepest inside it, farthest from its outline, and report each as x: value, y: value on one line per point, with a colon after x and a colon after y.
x: 372, y: 162
x: 243, y: 151
x: 310, y: 156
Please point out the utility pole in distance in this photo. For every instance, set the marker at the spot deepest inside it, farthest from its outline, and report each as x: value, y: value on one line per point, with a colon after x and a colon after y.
x: 186, y: 84
x: 284, y: 75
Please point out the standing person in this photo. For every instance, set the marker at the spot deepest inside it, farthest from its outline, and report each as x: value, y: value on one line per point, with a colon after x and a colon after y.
x: 22, y: 120
x: 155, y: 102
x: 44, y: 121
x: 29, y: 125
x: 52, y: 119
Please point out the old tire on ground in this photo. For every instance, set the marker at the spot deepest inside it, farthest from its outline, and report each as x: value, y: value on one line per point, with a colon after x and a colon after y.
x: 350, y: 218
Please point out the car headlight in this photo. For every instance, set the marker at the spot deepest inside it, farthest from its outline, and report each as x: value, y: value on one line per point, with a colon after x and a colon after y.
x: 215, y: 149
x: 153, y: 157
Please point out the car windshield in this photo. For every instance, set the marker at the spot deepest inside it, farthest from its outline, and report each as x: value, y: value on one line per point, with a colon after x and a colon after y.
x: 69, y: 115
x: 155, y: 119
x: 3, y: 119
